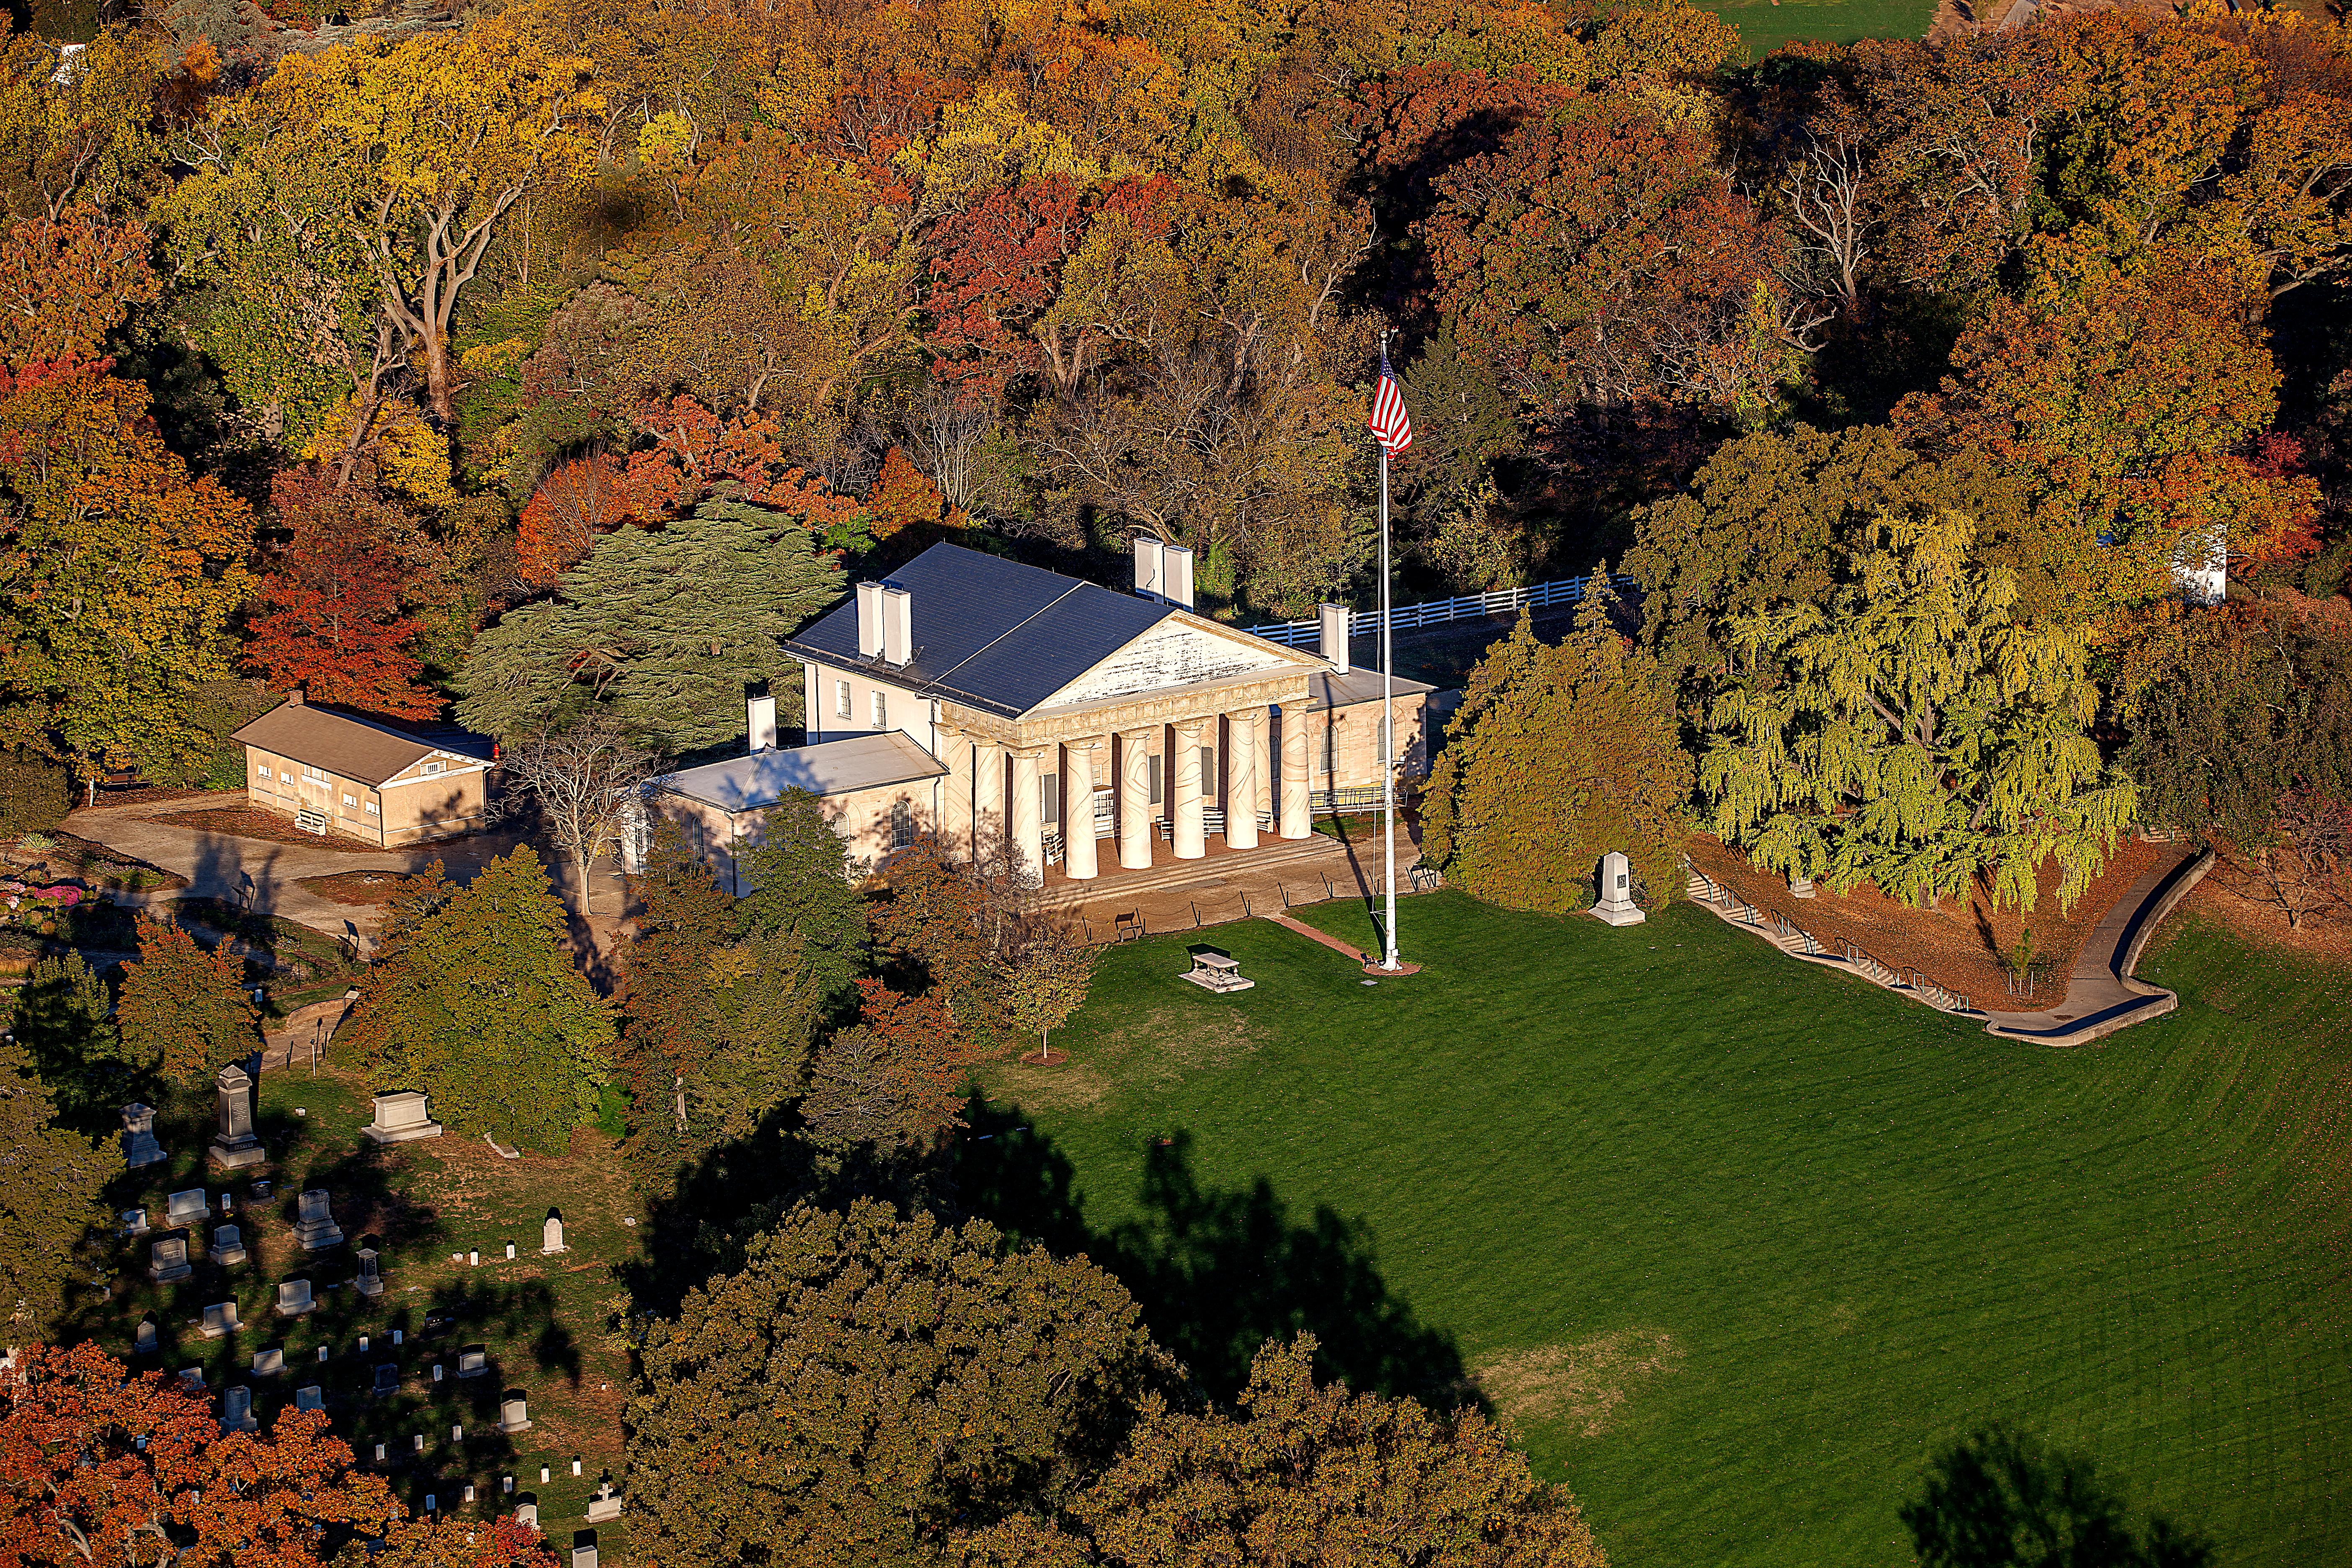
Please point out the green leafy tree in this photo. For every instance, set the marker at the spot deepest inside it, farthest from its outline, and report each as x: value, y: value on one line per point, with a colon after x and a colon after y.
x: 1914, y: 732
x: 52, y: 1190
x: 665, y: 995
x: 866, y: 1384
x: 1044, y: 976
x: 475, y: 999
x: 1558, y: 755
x: 890, y: 1080
x: 183, y: 1010
x: 799, y: 876
x: 1302, y: 1474
x: 61, y: 1021
x: 662, y: 630
x: 35, y: 793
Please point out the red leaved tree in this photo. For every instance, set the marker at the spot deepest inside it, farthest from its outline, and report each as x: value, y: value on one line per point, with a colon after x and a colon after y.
x: 576, y: 501
x: 331, y: 619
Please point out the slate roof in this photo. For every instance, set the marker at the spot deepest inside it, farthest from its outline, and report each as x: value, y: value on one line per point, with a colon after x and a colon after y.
x: 1325, y: 690
x: 831, y: 767
x: 989, y: 632
x: 368, y: 751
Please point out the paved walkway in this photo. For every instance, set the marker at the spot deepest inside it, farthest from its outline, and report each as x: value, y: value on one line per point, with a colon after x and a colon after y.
x: 2102, y: 996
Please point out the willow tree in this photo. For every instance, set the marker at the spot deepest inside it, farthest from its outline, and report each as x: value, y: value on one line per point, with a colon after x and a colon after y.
x: 1913, y: 732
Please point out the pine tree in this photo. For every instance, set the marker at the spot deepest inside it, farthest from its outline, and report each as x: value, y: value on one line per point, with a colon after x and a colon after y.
x: 1914, y: 731
x: 61, y: 1021
x: 475, y: 999
x: 662, y: 630
x: 52, y: 1190
x: 183, y: 1010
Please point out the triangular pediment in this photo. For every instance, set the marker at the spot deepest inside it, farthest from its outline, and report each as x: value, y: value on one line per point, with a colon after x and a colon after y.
x: 1180, y: 650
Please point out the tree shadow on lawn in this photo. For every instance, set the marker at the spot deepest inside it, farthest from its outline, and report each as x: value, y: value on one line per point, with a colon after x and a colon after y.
x: 1217, y: 1273
x: 1999, y: 1498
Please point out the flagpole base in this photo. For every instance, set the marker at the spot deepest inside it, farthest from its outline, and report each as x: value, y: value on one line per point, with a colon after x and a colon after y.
x: 1400, y: 971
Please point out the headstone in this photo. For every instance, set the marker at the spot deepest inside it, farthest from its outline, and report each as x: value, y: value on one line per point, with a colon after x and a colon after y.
x: 168, y: 1260
x: 220, y: 1320
x: 229, y: 1246
x: 1801, y: 887
x: 371, y: 1279
x: 234, y: 1146
x: 146, y: 1337
x: 268, y: 1362
x: 400, y: 1118
x: 363, y: 1344
x: 188, y: 1208
x: 584, y: 1549
x: 236, y: 1410
x: 506, y: 1484
x: 604, y: 1504
x: 379, y: 1453
x: 437, y: 1370
x: 575, y: 1465
x: 474, y: 1259
x: 543, y: 1475
x: 469, y: 1491
x: 417, y: 1443
x: 527, y: 1514
x: 509, y: 1252
x: 1616, y: 905
x: 397, y: 1336
x: 134, y: 1221
x: 473, y: 1362
x: 457, y: 1434
x: 258, y: 1192
x: 514, y: 1414
x: 294, y: 1298
x: 314, y: 1226
x: 192, y: 1378
x: 431, y: 1503
x: 387, y: 1377
x: 228, y: 1205
x: 550, y: 1235
x: 138, y: 1146
x: 311, y: 1398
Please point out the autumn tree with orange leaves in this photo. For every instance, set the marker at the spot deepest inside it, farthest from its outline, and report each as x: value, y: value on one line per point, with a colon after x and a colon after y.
x: 329, y: 617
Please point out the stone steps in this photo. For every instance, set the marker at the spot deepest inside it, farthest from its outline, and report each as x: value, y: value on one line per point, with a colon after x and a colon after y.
x: 1204, y: 873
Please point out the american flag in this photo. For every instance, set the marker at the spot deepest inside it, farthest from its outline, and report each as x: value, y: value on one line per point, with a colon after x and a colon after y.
x: 1389, y: 424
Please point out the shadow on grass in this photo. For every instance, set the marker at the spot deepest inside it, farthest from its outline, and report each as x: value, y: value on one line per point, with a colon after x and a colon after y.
x: 1217, y: 1273
x: 1999, y: 1498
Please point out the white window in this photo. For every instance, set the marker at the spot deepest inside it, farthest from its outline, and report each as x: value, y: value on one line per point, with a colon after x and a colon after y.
x: 370, y: 808
x: 429, y: 769
x: 881, y: 711
x: 351, y: 799
x: 311, y: 774
x: 261, y: 770
x: 902, y: 825
x: 841, y: 700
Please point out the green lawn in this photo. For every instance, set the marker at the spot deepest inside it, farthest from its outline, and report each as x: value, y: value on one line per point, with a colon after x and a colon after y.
x: 1764, y: 26
x: 1737, y: 1241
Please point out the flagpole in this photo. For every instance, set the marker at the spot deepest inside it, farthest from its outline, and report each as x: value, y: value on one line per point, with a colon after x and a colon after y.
x: 1388, y: 709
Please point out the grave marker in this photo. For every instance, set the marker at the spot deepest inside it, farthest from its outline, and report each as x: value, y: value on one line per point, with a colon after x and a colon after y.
x: 236, y: 1410
x: 220, y: 1320
x: 229, y: 1246
x: 146, y: 1337
x: 550, y: 1233
x: 371, y: 1279
x: 514, y: 1412
x: 1616, y: 905
x: 234, y: 1146
x: 312, y: 1398
x: 387, y: 1377
x: 314, y: 1225
x: 294, y: 1298
x: 134, y: 1221
x: 604, y: 1504
x: 473, y: 1362
x: 138, y: 1146
x: 268, y: 1362
x: 527, y: 1514
x: 168, y: 1260
x: 188, y: 1208
x: 399, y: 1118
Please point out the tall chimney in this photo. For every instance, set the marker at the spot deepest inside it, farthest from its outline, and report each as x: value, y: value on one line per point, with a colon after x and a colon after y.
x: 760, y: 723
x: 1335, y: 619
x: 1176, y: 576
x: 869, y: 620
x: 898, y: 625
x: 1147, y: 564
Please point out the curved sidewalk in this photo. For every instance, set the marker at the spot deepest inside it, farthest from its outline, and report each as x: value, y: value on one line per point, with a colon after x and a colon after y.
x: 2101, y: 995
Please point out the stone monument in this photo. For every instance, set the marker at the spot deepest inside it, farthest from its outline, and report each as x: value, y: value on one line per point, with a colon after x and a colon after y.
x: 387, y: 1377
x: 134, y: 1221
x: 314, y: 1225
x: 146, y: 1337
x: 234, y: 1146
x: 192, y: 1379
x: 139, y: 1145
x: 583, y: 1549
x: 399, y: 1118
x: 220, y: 1320
x: 294, y: 1298
x: 236, y: 1410
x: 1617, y: 906
x: 473, y: 1362
x: 514, y: 1412
x: 188, y: 1208
x: 229, y: 1246
x: 168, y: 1260
x: 371, y: 1279
x: 603, y: 1503
x: 550, y: 1233
x: 527, y: 1512
x: 311, y: 1398
x: 268, y: 1361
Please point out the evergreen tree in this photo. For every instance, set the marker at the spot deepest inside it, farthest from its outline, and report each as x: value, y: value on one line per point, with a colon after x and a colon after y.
x: 52, y: 1190
x: 664, y: 629
x: 1913, y: 732
x: 866, y: 1383
x: 1557, y: 755
x: 475, y: 999
x: 183, y: 1010
x: 801, y: 890
x: 61, y: 1021
x: 890, y: 1082
x: 668, y: 1022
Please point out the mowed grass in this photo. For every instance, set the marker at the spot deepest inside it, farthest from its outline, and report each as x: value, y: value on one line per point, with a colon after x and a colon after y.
x: 1764, y: 26
x: 1740, y: 1243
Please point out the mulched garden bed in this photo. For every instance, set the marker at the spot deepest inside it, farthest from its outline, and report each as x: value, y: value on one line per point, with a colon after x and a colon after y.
x: 361, y: 889
x: 246, y: 822
x: 1958, y: 946
x: 68, y: 859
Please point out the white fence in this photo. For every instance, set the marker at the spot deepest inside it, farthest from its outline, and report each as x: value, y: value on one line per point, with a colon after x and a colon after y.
x: 1437, y: 612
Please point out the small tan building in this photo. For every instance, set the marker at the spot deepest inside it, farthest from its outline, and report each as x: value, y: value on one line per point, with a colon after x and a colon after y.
x: 363, y: 777
x: 981, y: 700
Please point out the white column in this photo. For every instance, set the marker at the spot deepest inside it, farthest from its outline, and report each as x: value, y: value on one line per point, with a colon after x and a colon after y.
x: 1079, y: 767
x: 1135, y: 799
x: 1185, y: 792
x: 1296, y: 822
x: 955, y: 797
x: 987, y: 799
x: 1028, y: 814
x: 1243, y: 727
